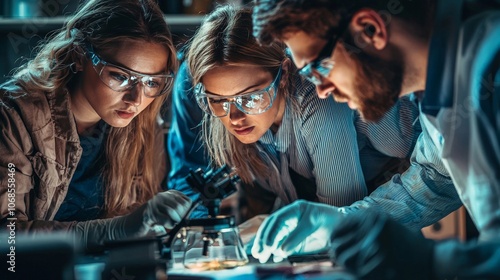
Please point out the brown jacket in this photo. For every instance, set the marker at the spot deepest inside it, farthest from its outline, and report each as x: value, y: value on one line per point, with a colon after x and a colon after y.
x: 38, y: 136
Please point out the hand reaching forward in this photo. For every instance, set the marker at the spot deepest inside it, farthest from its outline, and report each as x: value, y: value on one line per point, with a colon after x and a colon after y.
x: 164, y: 209
x: 299, y: 228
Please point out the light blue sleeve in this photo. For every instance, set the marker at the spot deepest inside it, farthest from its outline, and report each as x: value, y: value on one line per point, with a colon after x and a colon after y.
x: 420, y: 196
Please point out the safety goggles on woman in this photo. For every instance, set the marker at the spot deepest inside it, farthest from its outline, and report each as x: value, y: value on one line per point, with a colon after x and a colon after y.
x: 250, y: 103
x: 121, y: 79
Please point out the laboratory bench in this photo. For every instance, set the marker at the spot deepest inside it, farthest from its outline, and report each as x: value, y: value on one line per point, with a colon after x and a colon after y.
x: 252, y: 270
x: 53, y: 256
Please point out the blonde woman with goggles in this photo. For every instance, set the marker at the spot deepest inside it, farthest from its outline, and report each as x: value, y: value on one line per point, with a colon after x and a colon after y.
x: 265, y: 121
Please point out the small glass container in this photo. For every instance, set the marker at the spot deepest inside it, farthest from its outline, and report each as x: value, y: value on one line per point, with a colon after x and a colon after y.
x: 213, y: 244
x: 178, y: 246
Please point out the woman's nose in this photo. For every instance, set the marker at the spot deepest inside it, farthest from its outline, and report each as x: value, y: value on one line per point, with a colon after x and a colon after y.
x: 235, y: 114
x: 134, y: 96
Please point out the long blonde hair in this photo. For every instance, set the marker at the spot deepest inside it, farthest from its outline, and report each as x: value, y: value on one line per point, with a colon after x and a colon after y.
x: 225, y: 38
x: 105, y: 24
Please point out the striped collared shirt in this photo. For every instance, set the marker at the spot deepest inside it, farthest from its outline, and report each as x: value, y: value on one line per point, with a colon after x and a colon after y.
x: 327, y: 143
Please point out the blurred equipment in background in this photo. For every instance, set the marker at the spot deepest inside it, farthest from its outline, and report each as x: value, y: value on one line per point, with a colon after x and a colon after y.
x: 451, y: 226
x: 38, y: 8
x: 21, y: 8
x: 194, y: 7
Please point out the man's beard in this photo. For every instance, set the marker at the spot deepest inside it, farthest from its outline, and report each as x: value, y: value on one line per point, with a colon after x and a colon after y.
x: 377, y: 84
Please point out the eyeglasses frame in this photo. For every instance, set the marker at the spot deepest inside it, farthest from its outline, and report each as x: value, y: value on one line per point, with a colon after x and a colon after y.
x: 95, y: 59
x: 200, y: 94
x: 325, y: 55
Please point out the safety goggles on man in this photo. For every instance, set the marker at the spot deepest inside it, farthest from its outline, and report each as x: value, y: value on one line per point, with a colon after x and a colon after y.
x: 319, y: 69
x: 121, y: 79
x: 251, y: 103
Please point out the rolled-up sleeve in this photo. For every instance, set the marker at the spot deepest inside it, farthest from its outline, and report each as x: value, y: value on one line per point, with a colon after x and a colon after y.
x: 420, y: 196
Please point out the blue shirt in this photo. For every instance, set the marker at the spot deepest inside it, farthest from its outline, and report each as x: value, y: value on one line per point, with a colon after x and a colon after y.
x: 85, y: 199
x: 457, y: 158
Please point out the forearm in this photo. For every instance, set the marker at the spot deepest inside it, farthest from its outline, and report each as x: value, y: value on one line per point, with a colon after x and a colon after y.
x: 92, y: 235
x: 420, y: 196
x: 414, y: 204
x: 45, y: 226
x: 88, y: 235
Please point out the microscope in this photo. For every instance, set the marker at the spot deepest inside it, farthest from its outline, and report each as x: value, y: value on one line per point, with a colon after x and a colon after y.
x: 213, y: 242
x: 210, y: 243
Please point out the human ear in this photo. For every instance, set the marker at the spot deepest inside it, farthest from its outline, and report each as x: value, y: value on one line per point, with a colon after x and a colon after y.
x: 78, y: 58
x: 285, y: 71
x: 369, y: 29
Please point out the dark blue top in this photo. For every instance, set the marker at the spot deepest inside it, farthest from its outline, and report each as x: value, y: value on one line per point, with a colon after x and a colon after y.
x: 85, y: 198
x: 185, y: 147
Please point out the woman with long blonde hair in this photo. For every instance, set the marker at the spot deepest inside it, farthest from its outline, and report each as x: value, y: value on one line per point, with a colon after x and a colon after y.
x: 80, y: 143
x: 265, y: 121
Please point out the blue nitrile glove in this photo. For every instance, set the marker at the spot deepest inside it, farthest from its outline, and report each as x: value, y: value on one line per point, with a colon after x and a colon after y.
x: 373, y: 246
x: 299, y: 228
x: 165, y: 209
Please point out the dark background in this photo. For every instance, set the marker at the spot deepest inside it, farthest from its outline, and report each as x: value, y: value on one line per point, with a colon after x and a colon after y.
x: 23, y: 23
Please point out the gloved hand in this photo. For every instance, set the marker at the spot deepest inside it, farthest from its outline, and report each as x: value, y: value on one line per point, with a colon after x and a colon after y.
x: 299, y: 228
x: 373, y: 246
x: 164, y: 209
